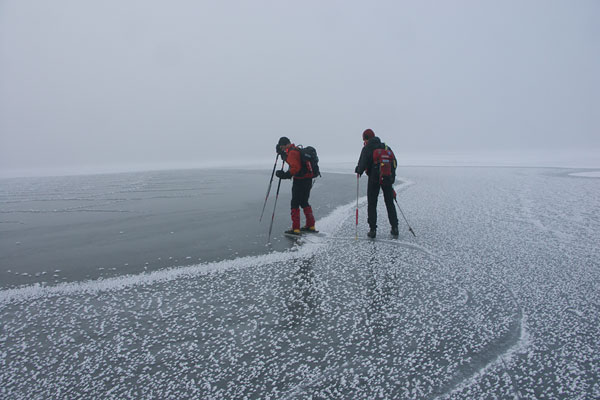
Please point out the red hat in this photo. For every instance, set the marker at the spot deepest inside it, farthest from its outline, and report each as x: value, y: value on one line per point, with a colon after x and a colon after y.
x: 368, y: 134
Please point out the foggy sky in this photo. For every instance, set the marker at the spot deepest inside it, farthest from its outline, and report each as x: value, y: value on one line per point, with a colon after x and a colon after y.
x: 124, y: 83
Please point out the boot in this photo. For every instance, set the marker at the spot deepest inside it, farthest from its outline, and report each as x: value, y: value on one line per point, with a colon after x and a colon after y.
x: 372, y: 233
x: 295, y: 219
x: 310, y: 219
x: 394, y: 231
x: 293, y: 232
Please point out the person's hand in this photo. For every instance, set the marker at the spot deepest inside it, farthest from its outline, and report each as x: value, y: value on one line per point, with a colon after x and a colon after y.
x: 283, y: 174
x: 358, y: 171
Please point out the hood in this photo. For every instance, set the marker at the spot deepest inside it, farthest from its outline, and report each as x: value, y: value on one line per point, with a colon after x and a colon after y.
x: 374, y: 142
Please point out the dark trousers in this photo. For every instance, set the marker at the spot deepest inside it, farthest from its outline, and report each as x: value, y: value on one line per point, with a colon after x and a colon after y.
x: 301, y: 192
x: 388, y: 197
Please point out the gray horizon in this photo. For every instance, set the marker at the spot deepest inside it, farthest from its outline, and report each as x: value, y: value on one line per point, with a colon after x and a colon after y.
x: 127, y: 84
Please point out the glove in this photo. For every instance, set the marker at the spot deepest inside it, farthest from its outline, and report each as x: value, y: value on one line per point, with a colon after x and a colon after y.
x: 358, y: 171
x: 283, y: 175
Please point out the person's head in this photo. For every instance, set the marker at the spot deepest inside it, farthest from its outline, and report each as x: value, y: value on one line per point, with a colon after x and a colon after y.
x: 282, y: 145
x: 368, y: 134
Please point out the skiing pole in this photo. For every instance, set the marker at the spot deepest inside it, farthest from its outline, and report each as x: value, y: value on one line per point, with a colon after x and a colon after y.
x: 274, y: 206
x: 409, y: 228
x: 357, y: 178
x: 269, y: 188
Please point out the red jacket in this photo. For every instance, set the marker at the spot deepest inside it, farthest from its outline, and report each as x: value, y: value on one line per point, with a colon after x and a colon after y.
x: 294, y: 160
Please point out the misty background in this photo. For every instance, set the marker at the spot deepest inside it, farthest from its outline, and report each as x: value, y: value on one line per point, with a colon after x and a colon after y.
x: 121, y: 85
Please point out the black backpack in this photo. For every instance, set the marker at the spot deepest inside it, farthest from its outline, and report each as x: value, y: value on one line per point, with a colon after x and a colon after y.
x: 310, y: 160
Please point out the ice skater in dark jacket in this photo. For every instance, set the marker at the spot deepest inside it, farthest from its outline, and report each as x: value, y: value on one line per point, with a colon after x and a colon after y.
x: 301, y: 186
x: 379, y: 177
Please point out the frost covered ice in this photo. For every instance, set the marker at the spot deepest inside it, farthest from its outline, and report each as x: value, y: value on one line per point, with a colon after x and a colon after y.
x: 496, y: 297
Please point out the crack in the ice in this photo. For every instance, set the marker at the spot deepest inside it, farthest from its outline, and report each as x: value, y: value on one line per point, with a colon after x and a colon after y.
x: 518, y: 333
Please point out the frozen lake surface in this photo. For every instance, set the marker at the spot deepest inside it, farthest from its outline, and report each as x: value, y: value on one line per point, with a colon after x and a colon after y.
x: 497, y: 297
x: 75, y: 228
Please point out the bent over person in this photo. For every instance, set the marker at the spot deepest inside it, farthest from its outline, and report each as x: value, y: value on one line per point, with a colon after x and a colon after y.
x: 301, y: 186
x: 379, y: 162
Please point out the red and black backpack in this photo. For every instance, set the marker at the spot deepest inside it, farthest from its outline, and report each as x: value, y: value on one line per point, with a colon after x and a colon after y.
x: 385, y: 162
